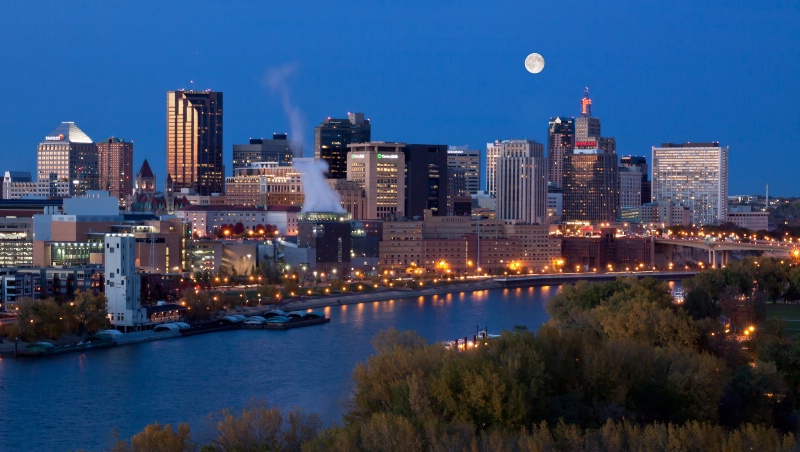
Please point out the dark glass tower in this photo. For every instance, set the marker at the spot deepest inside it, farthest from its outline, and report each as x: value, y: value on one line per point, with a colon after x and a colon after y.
x: 591, y: 191
x: 560, y: 143
x: 332, y: 137
x: 194, y: 141
x: 426, y: 179
x: 641, y: 162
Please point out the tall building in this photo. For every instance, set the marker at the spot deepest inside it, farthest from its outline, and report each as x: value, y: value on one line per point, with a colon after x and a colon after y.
x: 493, y: 152
x: 586, y: 125
x: 591, y: 193
x: 425, y: 179
x: 560, y: 143
x: 522, y: 182
x: 630, y: 186
x: 115, y: 167
x: 380, y: 169
x: 332, y: 137
x: 68, y: 155
x: 693, y: 175
x: 277, y: 150
x: 460, y: 157
x: 194, y: 141
x: 122, y: 282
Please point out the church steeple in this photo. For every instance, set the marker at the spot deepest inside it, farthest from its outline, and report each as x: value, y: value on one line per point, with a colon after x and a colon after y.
x: 145, y: 179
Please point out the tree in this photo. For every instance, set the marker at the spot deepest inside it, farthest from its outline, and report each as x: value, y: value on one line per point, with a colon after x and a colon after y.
x: 699, y: 305
x: 89, y: 312
x: 259, y: 427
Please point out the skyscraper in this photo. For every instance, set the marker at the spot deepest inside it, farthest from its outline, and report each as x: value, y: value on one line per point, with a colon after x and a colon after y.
x: 379, y: 168
x: 68, y: 154
x: 115, y: 167
x: 194, y: 141
x: 332, y: 137
x: 694, y: 175
x: 460, y: 157
x: 591, y: 192
x: 522, y: 182
x: 560, y: 143
x: 586, y: 125
x: 640, y: 162
x: 425, y: 179
x: 277, y: 150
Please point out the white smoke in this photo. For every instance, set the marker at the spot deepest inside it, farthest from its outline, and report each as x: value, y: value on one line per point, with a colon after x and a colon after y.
x: 319, y: 196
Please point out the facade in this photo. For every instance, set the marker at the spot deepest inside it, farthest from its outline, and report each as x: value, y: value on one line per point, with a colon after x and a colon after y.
x: 694, y: 175
x: 16, y: 242
x: 332, y: 137
x: 205, y: 220
x: 754, y: 221
x: 329, y: 235
x: 265, y: 184
x: 194, y: 141
x: 560, y: 143
x: 68, y: 155
x: 607, y: 252
x: 493, y: 151
x: 425, y: 179
x: 664, y: 212
x: 461, y: 157
x: 591, y: 190
x: 115, y: 168
x: 277, y: 150
x: 522, y: 182
x: 122, y: 285
x: 640, y: 162
x: 630, y: 186
x: 18, y: 184
x: 379, y: 168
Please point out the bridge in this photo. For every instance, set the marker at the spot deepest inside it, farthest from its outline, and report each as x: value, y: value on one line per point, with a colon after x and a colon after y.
x: 724, y: 247
x: 549, y: 279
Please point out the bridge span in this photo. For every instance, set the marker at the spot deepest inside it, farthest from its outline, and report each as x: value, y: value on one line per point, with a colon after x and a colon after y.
x: 719, y: 250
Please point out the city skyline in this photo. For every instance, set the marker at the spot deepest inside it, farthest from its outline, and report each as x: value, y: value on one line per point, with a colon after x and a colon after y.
x: 709, y: 72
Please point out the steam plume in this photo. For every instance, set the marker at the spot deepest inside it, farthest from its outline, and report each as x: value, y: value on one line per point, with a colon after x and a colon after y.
x: 319, y: 196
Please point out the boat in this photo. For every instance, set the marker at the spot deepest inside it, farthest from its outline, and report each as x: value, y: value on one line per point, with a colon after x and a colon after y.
x: 678, y: 297
x: 38, y: 349
x: 481, y: 336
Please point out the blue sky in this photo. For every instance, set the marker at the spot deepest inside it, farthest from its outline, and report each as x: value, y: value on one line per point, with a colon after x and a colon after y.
x: 424, y: 72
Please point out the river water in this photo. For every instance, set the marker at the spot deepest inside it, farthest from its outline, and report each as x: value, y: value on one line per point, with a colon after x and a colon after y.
x: 75, y: 400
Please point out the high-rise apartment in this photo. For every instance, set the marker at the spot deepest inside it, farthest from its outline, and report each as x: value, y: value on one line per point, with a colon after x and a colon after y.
x: 69, y: 155
x: 277, y: 150
x: 560, y: 143
x: 522, y: 182
x: 332, y: 137
x: 591, y: 192
x: 693, y: 175
x: 461, y: 157
x: 115, y: 167
x: 380, y: 169
x: 194, y: 141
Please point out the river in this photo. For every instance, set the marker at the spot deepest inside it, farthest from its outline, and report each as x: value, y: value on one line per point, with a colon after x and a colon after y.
x: 74, y: 401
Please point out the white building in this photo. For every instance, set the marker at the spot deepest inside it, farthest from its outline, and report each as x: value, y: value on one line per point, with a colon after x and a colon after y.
x: 522, y: 182
x: 694, y: 175
x: 122, y: 282
x: 204, y: 220
x: 630, y: 186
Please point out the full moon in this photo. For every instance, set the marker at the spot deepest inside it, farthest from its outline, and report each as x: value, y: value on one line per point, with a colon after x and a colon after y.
x: 534, y: 63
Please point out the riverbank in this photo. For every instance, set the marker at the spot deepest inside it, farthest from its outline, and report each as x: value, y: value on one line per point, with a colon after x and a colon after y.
x: 385, y: 295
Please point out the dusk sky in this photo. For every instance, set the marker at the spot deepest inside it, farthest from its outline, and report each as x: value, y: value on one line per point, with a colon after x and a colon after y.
x: 440, y: 72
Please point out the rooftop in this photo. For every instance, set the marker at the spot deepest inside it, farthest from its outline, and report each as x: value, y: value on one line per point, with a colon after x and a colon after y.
x: 67, y: 132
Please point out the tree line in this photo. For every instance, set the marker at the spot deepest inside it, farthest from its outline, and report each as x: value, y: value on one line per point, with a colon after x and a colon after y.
x: 619, y: 366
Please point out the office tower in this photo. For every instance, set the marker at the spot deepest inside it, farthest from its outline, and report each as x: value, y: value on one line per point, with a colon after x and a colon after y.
x: 332, y: 137
x: 380, y: 169
x: 586, y: 125
x: 194, y: 141
x: 68, y: 155
x: 693, y: 175
x: 425, y: 179
x: 468, y: 160
x: 115, y: 167
x: 522, y: 182
x: 493, y: 151
x: 122, y: 286
x: 591, y: 193
x: 277, y: 150
x: 560, y: 143
x: 640, y: 162
x: 630, y: 186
